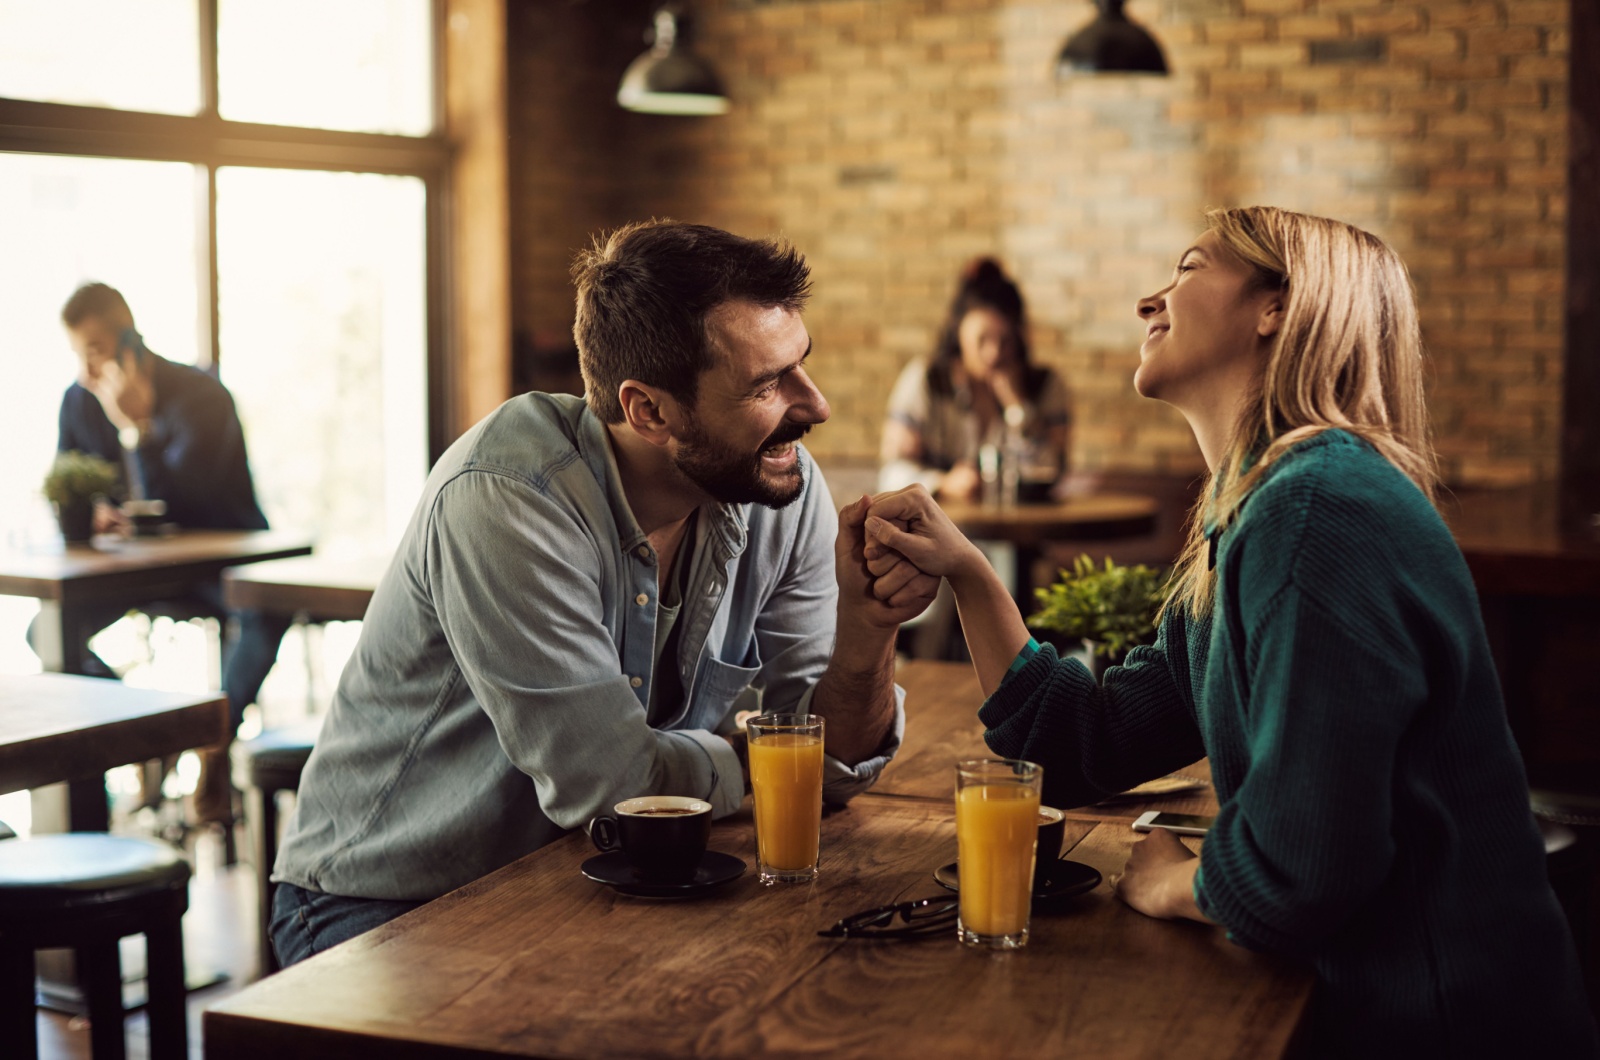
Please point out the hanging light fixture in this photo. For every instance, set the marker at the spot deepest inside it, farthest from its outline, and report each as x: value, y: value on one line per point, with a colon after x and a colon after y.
x: 1111, y: 44
x: 670, y: 78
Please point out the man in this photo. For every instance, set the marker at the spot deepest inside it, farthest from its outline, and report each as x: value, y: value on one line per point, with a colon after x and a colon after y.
x: 174, y: 432
x: 587, y: 588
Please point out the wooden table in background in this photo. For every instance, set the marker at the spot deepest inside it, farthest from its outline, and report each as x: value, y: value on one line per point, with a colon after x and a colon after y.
x: 536, y: 960
x: 55, y: 727
x: 321, y: 588
x: 942, y: 728
x: 74, y: 585
x: 1030, y: 527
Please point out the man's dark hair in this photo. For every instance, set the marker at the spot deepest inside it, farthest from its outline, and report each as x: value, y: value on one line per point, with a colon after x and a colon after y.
x: 95, y: 300
x: 643, y: 294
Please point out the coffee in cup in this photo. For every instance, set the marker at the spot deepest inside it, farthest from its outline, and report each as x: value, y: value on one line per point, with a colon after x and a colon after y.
x: 662, y: 836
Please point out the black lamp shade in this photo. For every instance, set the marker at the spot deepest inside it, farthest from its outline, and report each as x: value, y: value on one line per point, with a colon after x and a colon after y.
x: 1111, y: 44
x: 670, y: 78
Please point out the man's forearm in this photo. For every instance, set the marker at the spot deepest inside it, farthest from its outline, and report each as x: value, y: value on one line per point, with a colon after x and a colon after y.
x: 856, y: 693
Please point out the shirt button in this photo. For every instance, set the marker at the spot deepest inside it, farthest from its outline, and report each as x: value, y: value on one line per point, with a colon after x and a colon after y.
x: 644, y: 551
x: 635, y: 681
x: 641, y: 599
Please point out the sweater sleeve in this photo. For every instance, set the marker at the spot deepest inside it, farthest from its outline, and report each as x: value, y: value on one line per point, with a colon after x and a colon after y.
x: 1335, y: 680
x: 1093, y: 740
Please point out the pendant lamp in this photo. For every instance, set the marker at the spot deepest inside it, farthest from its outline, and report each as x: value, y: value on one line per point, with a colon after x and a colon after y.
x: 1111, y: 44
x: 670, y: 78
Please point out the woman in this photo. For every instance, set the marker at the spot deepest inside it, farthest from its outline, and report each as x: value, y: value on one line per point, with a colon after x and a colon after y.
x: 1322, y: 643
x: 979, y: 383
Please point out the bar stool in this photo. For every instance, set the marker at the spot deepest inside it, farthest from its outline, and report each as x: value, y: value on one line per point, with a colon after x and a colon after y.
x: 84, y: 891
x: 262, y: 767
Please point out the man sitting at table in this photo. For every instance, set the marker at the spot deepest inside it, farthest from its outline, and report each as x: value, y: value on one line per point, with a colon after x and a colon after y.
x: 174, y: 432
x: 586, y: 590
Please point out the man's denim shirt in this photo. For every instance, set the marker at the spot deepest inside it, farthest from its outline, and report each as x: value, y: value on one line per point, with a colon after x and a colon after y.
x: 497, y: 694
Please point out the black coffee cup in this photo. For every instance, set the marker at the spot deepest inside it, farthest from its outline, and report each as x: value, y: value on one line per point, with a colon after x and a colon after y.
x: 1052, y: 832
x: 662, y: 836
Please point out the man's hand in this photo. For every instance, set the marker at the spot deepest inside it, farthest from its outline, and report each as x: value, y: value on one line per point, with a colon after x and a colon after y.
x: 884, y: 593
x: 126, y: 394
x: 109, y: 519
x: 1159, y: 879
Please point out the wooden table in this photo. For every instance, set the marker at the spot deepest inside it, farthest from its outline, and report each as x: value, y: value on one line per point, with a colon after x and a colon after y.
x: 55, y: 727
x: 75, y: 585
x: 68, y: 582
x: 942, y: 728
x: 1095, y: 515
x: 536, y: 960
x: 1030, y: 527
x: 320, y: 588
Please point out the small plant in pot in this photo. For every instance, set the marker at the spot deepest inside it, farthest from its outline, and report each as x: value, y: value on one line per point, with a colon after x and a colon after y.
x: 74, y: 481
x: 1097, y: 613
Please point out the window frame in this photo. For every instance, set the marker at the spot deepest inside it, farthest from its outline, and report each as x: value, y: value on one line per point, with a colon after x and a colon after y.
x: 209, y: 141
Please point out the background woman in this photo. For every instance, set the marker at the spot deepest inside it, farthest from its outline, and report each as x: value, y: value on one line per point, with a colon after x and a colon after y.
x: 944, y: 409
x: 1322, y: 643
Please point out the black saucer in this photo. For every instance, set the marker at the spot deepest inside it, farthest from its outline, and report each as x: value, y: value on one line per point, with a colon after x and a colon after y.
x: 1067, y: 878
x: 614, y: 871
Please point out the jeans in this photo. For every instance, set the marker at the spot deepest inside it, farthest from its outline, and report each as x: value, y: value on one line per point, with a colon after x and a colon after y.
x: 308, y: 922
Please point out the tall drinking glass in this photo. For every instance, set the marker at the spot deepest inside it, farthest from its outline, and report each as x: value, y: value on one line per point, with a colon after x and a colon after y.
x: 997, y: 828
x: 786, y: 778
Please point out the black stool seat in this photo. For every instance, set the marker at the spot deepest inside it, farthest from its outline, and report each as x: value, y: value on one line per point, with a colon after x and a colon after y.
x: 275, y: 759
x: 262, y: 767
x: 84, y: 891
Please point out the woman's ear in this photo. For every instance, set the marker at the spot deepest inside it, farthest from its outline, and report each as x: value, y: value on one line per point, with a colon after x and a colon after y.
x: 647, y: 410
x: 1271, y: 318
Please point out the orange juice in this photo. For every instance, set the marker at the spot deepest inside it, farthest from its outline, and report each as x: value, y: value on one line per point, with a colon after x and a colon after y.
x: 786, y: 777
x: 997, y: 826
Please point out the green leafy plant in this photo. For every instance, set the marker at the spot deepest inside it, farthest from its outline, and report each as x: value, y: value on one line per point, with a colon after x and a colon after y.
x: 78, y: 477
x: 1114, y: 606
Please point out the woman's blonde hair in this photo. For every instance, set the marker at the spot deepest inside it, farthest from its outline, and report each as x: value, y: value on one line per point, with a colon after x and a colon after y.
x: 1347, y: 355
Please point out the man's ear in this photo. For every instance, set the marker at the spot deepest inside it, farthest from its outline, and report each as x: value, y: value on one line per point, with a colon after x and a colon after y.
x: 1271, y: 318
x: 650, y: 411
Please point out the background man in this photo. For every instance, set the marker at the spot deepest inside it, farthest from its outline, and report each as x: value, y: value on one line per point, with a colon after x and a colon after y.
x: 587, y: 588
x: 174, y: 432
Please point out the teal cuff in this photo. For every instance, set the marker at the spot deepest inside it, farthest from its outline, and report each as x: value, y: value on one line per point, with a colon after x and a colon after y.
x: 1029, y: 650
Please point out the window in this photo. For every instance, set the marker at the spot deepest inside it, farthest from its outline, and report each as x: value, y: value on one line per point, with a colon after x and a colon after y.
x: 262, y: 180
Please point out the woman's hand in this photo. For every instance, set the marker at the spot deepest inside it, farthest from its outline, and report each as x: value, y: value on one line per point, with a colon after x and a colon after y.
x: 1159, y: 879
x: 962, y: 482
x: 911, y: 524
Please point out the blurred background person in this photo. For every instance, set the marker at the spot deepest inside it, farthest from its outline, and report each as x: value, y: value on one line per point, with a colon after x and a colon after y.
x: 972, y: 416
x: 946, y: 410
x: 173, y: 431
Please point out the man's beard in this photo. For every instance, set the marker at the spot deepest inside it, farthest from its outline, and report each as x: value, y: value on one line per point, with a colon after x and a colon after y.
x: 732, y: 477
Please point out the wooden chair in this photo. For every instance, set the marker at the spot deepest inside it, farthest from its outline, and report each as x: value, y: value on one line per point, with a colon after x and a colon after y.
x: 263, y: 767
x: 85, y: 891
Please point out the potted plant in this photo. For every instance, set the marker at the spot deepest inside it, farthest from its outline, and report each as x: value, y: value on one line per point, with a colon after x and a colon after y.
x: 74, y: 481
x: 1098, y: 613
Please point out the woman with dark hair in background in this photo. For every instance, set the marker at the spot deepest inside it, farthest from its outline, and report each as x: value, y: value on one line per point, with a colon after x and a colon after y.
x: 979, y: 382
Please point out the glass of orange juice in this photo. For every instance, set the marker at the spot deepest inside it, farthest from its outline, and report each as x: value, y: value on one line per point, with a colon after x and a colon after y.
x: 786, y: 778
x: 997, y: 827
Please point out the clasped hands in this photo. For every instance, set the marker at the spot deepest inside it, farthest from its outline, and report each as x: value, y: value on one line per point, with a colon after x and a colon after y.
x: 907, y: 544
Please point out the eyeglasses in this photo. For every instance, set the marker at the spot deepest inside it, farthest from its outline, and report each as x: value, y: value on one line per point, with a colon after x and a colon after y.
x: 921, y: 919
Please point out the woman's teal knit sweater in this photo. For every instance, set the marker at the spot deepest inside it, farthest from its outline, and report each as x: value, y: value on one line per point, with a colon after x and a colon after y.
x: 1374, y: 811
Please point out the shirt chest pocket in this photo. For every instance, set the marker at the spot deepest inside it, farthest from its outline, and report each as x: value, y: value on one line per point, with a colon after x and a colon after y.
x: 718, y: 691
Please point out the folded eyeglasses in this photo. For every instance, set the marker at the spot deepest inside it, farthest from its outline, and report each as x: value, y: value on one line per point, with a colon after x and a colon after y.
x: 920, y: 919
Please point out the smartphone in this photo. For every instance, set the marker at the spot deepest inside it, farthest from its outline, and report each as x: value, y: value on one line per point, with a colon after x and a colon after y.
x: 1181, y: 823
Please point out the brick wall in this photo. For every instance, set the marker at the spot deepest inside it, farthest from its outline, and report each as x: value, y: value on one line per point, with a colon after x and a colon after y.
x: 894, y: 139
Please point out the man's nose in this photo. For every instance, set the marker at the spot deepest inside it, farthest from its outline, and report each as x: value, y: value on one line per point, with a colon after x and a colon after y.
x: 808, y: 400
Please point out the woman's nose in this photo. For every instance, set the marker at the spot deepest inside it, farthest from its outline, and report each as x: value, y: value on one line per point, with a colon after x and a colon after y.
x: 1150, y: 305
